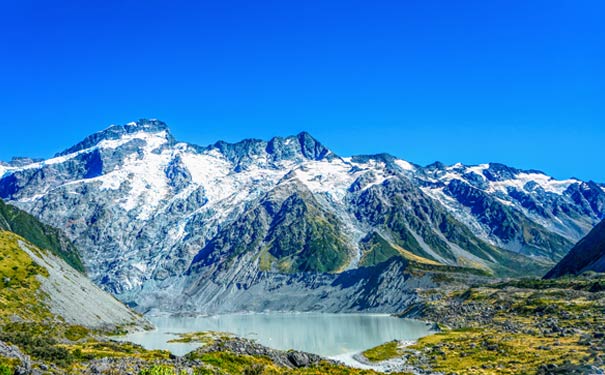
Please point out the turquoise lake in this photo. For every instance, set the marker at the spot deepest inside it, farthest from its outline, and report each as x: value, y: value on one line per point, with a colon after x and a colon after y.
x: 329, y: 335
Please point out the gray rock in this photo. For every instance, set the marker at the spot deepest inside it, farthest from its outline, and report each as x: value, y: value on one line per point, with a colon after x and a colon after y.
x: 165, y: 224
x: 10, y: 351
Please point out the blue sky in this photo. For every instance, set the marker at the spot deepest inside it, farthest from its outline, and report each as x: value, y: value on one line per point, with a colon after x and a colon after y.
x: 518, y: 82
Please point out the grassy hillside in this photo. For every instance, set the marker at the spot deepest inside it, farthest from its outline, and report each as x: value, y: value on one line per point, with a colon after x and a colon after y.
x: 517, y: 327
x: 19, y: 296
x: 34, y: 337
x: 375, y: 250
x: 43, y: 236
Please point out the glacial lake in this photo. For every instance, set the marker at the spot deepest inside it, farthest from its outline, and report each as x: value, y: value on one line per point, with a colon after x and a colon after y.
x: 329, y: 335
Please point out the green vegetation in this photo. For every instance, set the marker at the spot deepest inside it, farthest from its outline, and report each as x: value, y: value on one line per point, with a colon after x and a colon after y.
x: 512, y: 327
x: 410, y: 219
x: 27, y: 323
x: 19, y: 295
x: 306, y: 238
x: 515, y: 327
x: 266, y: 260
x: 7, y: 365
x: 231, y: 363
x: 67, y: 346
x: 6, y: 369
x: 76, y: 332
x: 93, y: 348
x: 589, y: 282
x: 226, y: 363
x: 39, y: 340
x: 171, y: 370
x: 158, y: 370
x: 48, y: 344
x: 206, y: 337
x: 377, y: 250
x: 383, y: 352
x: 489, y: 351
x: 42, y: 235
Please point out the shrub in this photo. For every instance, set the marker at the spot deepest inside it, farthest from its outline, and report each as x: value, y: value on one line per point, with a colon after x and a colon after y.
x: 255, y: 369
x: 158, y: 370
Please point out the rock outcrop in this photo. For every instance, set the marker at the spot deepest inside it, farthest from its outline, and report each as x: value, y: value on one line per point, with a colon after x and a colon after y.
x: 161, y: 220
x: 587, y: 255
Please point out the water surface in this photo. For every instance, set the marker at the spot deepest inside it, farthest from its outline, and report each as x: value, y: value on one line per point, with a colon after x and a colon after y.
x: 325, y: 334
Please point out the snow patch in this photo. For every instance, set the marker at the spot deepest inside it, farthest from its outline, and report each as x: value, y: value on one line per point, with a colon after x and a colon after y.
x: 460, y: 212
x: 478, y: 169
x: 405, y: 165
x: 332, y: 178
x: 152, y: 139
x: 547, y: 183
x: 145, y: 175
x: 142, y: 267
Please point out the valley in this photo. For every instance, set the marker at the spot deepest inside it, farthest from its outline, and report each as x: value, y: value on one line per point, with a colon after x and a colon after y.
x: 302, y: 187
x: 172, y: 226
x: 134, y: 253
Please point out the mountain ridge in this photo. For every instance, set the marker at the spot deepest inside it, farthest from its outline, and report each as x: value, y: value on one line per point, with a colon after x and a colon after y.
x: 113, y: 132
x: 144, y: 206
x: 587, y: 255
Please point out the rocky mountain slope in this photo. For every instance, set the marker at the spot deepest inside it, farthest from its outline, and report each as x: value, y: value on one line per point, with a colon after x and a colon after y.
x: 38, y: 285
x: 43, y: 236
x: 169, y: 224
x: 587, y: 255
x: 42, y: 279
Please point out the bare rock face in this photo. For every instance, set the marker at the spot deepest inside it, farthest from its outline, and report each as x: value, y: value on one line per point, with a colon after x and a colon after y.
x: 164, y: 224
x: 72, y: 296
x: 53, y: 290
x: 587, y: 255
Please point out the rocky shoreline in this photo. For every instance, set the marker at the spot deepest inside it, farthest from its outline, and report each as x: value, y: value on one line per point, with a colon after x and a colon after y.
x: 523, y: 326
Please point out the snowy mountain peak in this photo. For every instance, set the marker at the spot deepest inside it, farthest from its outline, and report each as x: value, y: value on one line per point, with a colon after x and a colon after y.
x: 296, y: 148
x: 115, y: 132
x: 143, y: 206
x: 492, y: 175
x: 301, y: 145
x: 18, y: 161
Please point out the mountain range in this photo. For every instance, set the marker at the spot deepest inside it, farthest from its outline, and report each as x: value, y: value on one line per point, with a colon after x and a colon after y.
x: 288, y: 224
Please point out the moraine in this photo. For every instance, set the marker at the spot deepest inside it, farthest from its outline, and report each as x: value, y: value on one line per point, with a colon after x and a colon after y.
x: 286, y: 224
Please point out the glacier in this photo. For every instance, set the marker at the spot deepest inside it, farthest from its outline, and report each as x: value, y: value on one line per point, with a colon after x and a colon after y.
x: 286, y: 224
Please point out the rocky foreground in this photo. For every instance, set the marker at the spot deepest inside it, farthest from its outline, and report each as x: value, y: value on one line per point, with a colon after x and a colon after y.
x: 224, y: 355
x: 517, y: 327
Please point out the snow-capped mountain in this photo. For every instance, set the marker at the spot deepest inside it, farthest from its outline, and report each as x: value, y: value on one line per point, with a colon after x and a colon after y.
x: 158, y: 219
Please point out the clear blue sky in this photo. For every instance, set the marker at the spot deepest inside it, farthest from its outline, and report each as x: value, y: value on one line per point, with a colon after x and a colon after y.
x: 519, y: 82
